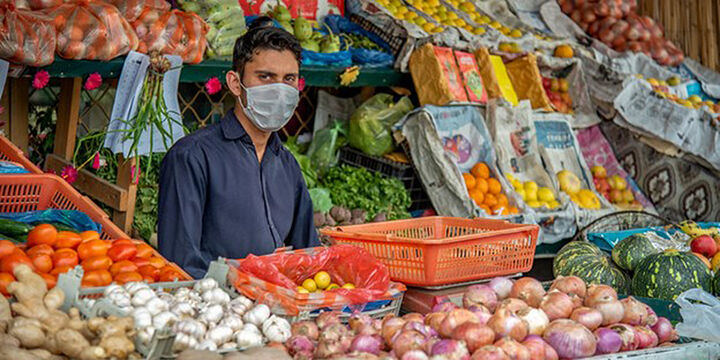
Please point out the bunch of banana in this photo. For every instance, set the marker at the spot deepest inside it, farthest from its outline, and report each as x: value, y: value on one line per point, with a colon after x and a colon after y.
x: 693, y: 229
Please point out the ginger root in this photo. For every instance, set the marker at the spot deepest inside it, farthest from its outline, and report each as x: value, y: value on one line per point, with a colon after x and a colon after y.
x: 114, y: 334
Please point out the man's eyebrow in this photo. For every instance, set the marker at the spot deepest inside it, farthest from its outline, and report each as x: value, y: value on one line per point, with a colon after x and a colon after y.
x: 265, y: 72
x: 292, y: 74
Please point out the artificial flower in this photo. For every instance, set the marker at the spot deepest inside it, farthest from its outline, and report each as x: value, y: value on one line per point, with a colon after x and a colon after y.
x: 96, y: 161
x: 93, y: 81
x: 135, y: 178
x: 69, y: 173
x: 301, y: 84
x: 41, y: 79
x: 349, y: 76
x: 213, y: 86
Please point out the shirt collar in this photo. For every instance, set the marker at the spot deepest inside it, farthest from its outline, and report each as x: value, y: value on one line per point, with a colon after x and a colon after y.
x: 233, y: 130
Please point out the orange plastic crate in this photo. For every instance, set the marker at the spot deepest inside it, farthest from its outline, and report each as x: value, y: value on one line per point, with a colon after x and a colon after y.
x: 435, y: 251
x: 10, y: 152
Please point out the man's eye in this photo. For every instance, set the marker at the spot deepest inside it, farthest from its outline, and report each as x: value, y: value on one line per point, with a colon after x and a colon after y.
x: 290, y: 78
x: 264, y: 77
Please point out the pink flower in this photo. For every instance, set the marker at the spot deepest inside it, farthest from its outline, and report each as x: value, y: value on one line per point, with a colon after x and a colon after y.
x: 41, y: 79
x: 135, y: 178
x: 213, y: 85
x: 96, y: 161
x: 93, y: 81
x: 301, y: 84
x: 69, y: 173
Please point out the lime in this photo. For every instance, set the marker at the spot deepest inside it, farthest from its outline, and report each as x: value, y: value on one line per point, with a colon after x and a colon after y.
x: 309, y: 285
x: 348, y: 286
x: 333, y: 286
x: 322, y: 279
x: 302, y: 290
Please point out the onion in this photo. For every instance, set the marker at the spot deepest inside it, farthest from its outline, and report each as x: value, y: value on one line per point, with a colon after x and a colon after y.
x: 327, y: 318
x: 450, y: 349
x: 454, y: 319
x: 514, y: 305
x: 490, y: 352
x: 407, y: 341
x: 390, y: 327
x: 501, y: 286
x: 366, y: 329
x: 536, y: 346
x: 664, y: 330
x: 480, y: 295
x: 414, y: 317
x: 482, y: 313
x: 356, y: 321
x: 528, y: 290
x: 599, y: 293
x: 557, y: 305
x: 366, y: 344
x: 635, y: 312
x: 513, y: 349
x: 550, y: 353
x: 474, y: 335
x: 434, y: 320
x: 536, y: 319
x: 505, y: 323
x: 415, y: 355
x: 299, y: 344
x: 446, y: 306
x: 587, y: 317
x: 305, y: 328
x: 646, y: 338
x: 627, y: 334
x: 612, y: 311
x: 652, y: 317
x: 419, y: 327
x: 608, y: 341
x: 571, y: 285
x: 570, y: 339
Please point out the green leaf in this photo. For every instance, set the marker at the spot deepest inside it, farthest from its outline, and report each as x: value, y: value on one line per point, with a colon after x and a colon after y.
x: 321, y: 199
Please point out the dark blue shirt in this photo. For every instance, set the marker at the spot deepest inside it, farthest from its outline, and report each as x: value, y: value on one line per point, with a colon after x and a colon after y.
x: 216, y: 199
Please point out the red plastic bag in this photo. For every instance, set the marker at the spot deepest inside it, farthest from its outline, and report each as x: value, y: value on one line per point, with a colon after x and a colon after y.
x: 91, y: 30
x: 173, y: 33
x: 26, y: 37
x: 132, y: 9
x: 273, y: 279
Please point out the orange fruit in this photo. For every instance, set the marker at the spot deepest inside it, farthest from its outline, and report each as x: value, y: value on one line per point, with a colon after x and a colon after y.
x: 481, y: 171
x: 502, y: 200
x: 469, y: 181
x: 490, y: 200
x: 477, y: 196
x: 494, y: 186
x: 486, y: 208
x: 513, y: 210
x: 497, y: 209
x: 564, y: 51
x: 481, y: 185
x: 506, y: 212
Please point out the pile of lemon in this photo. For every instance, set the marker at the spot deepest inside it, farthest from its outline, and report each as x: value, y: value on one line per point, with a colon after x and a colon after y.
x: 319, y: 283
x: 534, y: 195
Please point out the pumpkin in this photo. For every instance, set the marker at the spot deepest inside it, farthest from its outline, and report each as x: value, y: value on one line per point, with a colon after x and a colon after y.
x: 630, y: 251
x: 586, y: 261
x: 670, y: 273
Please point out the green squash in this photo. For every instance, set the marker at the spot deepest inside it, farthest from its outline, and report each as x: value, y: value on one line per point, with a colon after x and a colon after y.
x: 586, y: 261
x: 668, y: 274
x: 716, y: 284
x: 630, y: 251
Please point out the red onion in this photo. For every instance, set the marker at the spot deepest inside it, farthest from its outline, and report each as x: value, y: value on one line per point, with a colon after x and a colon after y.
x: 450, y: 349
x: 366, y: 329
x: 557, y: 305
x: 490, y: 352
x: 536, y: 346
x: 335, y: 332
x: 328, y: 349
x: 664, y: 330
x: 434, y: 320
x: 482, y: 313
x: 550, y: 353
x: 627, y: 334
x: 635, y: 312
x: 474, y: 335
x: 415, y: 355
x: 429, y: 343
x: 513, y: 349
x: 608, y: 341
x: 480, y: 295
x: 299, y: 344
x: 407, y: 341
x: 414, y: 317
x: 536, y: 319
x: 454, y: 319
x: 646, y: 337
x: 528, y: 290
x: 445, y: 306
x: 327, y: 318
x: 612, y: 311
x: 514, y: 305
x: 366, y: 344
x: 305, y: 328
x: 576, y: 300
x: 501, y: 286
x: 303, y: 356
x: 419, y: 327
x: 599, y: 293
x: 587, y: 317
x: 652, y: 317
x: 505, y: 323
x: 570, y: 339
x: 356, y: 321
x: 390, y: 327
x: 571, y: 285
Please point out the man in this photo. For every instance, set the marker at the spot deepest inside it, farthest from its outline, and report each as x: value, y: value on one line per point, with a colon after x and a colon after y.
x: 232, y: 189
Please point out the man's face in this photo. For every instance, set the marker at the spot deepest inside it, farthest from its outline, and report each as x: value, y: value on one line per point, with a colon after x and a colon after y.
x: 266, y: 67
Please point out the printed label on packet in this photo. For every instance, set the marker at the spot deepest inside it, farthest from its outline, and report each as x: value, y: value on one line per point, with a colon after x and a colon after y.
x: 452, y: 74
x: 471, y: 77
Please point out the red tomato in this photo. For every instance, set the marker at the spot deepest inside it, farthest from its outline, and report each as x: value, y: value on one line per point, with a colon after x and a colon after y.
x: 101, y: 262
x: 43, y: 263
x: 8, y: 262
x: 65, y: 257
x: 96, y: 278
x: 6, y: 247
x: 126, y: 277
x: 50, y: 280
x: 93, y: 248
x: 122, y: 266
x: 67, y: 239
x: 60, y: 270
x: 157, y: 262
x: 144, y: 250
x: 42, y: 234
x: 42, y: 249
x: 168, y: 273
x: 123, y: 242
x: 89, y: 235
x: 122, y: 252
x: 149, y: 271
x: 140, y: 261
x: 5, y: 280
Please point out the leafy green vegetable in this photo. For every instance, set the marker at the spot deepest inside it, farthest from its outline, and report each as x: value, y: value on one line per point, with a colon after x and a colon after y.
x: 323, y: 150
x: 297, y: 150
x: 321, y: 199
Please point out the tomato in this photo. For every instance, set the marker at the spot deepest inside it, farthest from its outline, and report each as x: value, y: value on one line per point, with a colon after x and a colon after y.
x: 67, y: 239
x: 50, y: 280
x: 42, y: 234
x: 144, y: 250
x: 93, y: 248
x: 122, y: 266
x: 122, y: 252
x: 60, y: 270
x: 42, y: 249
x: 157, y: 262
x: 101, y: 262
x: 6, y: 247
x: 89, y: 235
x: 8, y: 262
x: 149, y: 271
x: 169, y: 273
x: 126, y: 277
x: 65, y: 257
x: 123, y: 242
x: 5, y: 280
x: 43, y: 263
x: 96, y: 278
x: 140, y: 261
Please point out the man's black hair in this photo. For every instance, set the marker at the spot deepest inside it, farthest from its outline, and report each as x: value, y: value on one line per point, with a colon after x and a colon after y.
x: 263, y: 35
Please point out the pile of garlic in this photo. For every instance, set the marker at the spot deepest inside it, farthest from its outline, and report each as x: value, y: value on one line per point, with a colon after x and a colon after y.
x: 203, y: 318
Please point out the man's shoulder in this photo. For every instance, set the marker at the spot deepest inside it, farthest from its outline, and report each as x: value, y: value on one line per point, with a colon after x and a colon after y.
x: 197, y: 141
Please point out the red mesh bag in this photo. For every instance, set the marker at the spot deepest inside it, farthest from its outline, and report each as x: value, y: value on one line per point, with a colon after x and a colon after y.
x: 132, y: 9
x: 173, y: 33
x: 26, y: 37
x: 91, y: 30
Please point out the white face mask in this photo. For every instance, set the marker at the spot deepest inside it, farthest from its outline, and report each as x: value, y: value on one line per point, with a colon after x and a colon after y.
x: 270, y: 107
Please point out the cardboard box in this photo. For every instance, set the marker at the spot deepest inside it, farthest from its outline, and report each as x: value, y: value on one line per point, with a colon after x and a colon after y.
x: 472, y: 80
x: 436, y: 76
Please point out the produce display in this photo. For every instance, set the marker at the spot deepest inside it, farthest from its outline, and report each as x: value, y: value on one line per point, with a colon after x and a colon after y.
x: 571, y: 185
x: 668, y: 274
x: 487, y: 191
x: 557, y: 92
x: 225, y: 20
x: 533, y: 195
x: 302, y: 29
x: 614, y: 188
x: 319, y: 283
x: 586, y: 261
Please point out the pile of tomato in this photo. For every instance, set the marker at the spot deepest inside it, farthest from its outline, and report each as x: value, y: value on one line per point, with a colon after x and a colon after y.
x: 50, y: 253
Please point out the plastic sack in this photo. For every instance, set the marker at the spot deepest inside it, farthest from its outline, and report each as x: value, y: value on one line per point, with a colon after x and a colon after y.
x: 77, y: 220
x: 700, y: 311
x: 371, y: 58
x: 340, y: 58
x: 26, y: 37
x: 91, y: 30
x: 370, y: 124
x: 39, y: 4
x: 172, y: 33
x: 226, y: 22
x: 132, y: 9
x: 323, y: 149
x: 340, y: 24
x: 8, y: 167
x: 272, y: 279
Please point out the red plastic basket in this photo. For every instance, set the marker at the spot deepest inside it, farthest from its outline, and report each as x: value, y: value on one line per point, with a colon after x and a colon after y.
x: 10, y: 152
x: 435, y: 251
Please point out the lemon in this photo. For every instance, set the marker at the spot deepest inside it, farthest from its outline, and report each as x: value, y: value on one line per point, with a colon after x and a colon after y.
x: 468, y: 28
x: 348, y: 286
x: 553, y: 204
x: 516, y: 33
x: 534, y: 204
x: 302, y: 290
x: 452, y: 16
x: 484, y: 19
x: 322, y: 279
x: 545, y: 194
x: 521, y: 193
x: 332, y: 286
x: 467, y: 7
x: 428, y: 27
x: 495, y: 25
x: 420, y: 21
x: 309, y: 285
x: 531, y: 195
x: 530, y: 186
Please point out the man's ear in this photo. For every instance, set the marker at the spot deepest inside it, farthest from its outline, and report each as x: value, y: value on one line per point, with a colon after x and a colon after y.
x: 232, y: 79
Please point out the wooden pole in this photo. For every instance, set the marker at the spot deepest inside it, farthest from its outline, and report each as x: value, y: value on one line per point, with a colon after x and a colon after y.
x: 124, y: 219
x: 19, y: 93
x: 68, y: 116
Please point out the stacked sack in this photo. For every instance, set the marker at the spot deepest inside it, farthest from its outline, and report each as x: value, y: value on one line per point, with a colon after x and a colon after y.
x: 226, y: 22
x: 617, y: 25
x: 26, y: 37
x: 173, y: 32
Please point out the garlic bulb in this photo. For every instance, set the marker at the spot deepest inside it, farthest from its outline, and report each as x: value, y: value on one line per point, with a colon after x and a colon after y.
x: 163, y: 319
x: 165, y: 296
x: 228, y: 345
x: 156, y: 305
x: 190, y: 327
x: 276, y: 329
x: 219, y: 334
x: 142, y: 317
x: 246, y: 339
x: 241, y: 300
x: 182, y: 293
x: 211, y: 314
x: 145, y: 334
x: 207, y: 345
x: 182, y: 309
x: 232, y: 321
x: 251, y: 328
x: 142, y: 296
x: 113, y: 288
x: 257, y: 315
x: 184, y: 342
x: 119, y: 298
x: 216, y: 296
x: 133, y: 287
x: 205, y: 285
